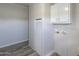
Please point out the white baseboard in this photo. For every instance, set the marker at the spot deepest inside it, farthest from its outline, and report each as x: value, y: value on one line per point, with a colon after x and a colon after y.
x: 12, y: 43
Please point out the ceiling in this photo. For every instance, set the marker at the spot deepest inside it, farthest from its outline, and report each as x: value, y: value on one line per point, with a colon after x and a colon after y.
x: 27, y: 4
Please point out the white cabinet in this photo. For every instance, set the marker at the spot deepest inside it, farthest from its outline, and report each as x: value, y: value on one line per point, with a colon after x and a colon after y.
x: 66, y: 42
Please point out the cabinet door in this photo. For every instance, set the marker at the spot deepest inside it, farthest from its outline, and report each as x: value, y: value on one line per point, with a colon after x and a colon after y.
x: 66, y: 42
x: 60, y: 44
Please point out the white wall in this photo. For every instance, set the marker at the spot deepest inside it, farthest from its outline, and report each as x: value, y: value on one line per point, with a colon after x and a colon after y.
x: 40, y: 36
x: 77, y: 26
x: 13, y: 24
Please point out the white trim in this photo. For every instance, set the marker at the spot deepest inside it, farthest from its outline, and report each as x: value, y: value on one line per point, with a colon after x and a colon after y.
x: 12, y: 43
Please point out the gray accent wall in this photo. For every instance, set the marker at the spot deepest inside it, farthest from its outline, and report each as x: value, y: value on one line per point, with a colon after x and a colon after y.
x: 13, y: 24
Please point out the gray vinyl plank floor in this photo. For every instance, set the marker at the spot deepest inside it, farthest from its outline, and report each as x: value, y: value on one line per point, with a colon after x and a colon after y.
x: 18, y: 50
x: 21, y: 49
